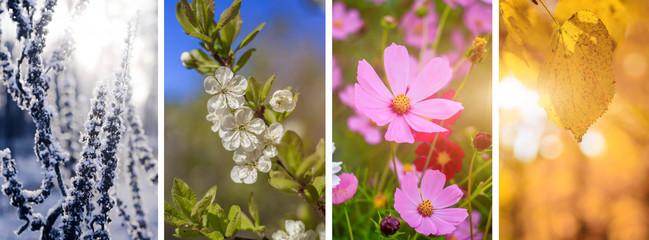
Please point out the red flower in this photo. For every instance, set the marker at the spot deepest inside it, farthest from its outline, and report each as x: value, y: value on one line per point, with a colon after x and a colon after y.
x: 446, y: 157
x: 429, y: 137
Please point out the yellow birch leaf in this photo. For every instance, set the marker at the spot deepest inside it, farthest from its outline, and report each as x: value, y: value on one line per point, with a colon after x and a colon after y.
x: 613, y: 14
x: 576, y: 82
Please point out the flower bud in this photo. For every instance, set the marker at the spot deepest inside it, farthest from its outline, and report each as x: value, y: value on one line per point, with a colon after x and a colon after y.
x: 482, y: 141
x: 478, y: 50
x: 388, y: 22
x: 421, y: 11
x: 389, y: 225
x: 188, y: 61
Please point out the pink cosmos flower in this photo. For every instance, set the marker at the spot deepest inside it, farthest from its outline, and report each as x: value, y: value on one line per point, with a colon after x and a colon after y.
x: 345, y: 189
x: 413, y: 26
x: 402, y: 169
x: 406, y: 107
x: 478, y: 19
x: 359, y: 122
x: 344, y: 22
x: 426, y: 209
x: 462, y: 231
x: 453, y: 3
x: 336, y: 75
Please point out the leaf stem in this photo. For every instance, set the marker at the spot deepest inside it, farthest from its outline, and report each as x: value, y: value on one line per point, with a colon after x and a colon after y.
x: 486, y: 228
x: 469, y: 192
x: 546, y: 9
x: 349, y: 226
x: 440, y: 27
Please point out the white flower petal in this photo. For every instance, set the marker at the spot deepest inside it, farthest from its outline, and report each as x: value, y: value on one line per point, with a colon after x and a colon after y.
x: 275, y: 132
x: 238, y: 85
x: 239, y: 156
x: 256, y: 126
x: 243, y: 115
x: 223, y: 75
x: 270, y: 151
x: 280, y: 235
x: 234, y: 101
x: 308, y: 235
x: 251, y: 178
x: 234, y: 174
x: 263, y: 164
x: 210, y: 85
x: 294, y: 228
x: 228, y: 123
x: 216, y: 102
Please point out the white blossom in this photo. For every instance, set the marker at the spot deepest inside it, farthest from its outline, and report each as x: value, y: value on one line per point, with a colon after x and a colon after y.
x: 294, y: 231
x: 184, y: 58
x: 248, y: 163
x: 227, y: 88
x: 241, y: 130
x: 335, y: 180
x: 282, y: 101
x: 216, y: 113
x: 271, y: 138
x: 321, y: 231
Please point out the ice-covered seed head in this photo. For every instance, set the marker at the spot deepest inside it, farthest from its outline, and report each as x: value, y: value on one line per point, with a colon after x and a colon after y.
x: 401, y: 104
x: 425, y: 208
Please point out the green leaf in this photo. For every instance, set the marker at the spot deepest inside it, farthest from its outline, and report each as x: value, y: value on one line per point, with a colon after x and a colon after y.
x: 319, y: 183
x: 200, y: 207
x: 311, y: 194
x: 246, y: 223
x: 186, y: 233
x: 199, y: 10
x: 204, y: 63
x: 228, y: 14
x: 251, y: 36
x: 211, y: 234
x: 291, y: 150
x: 183, y: 196
x: 252, y: 209
x: 243, y: 60
x: 200, y: 36
x: 270, y: 116
x: 174, y: 217
x: 282, y: 182
x: 216, y: 217
x: 266, y: 90
x: 185, y: 16
x: 252, y: 92
x: 230, y: 31
x: 234, y: 216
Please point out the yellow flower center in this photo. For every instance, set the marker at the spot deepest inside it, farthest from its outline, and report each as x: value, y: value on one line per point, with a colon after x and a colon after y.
x: 407, y: 168
x: 401, y: 104
x: 443, y: 158
x: 418, y: 29
x: 338, y: 24
x: 425, y: 208
x: 380, y: 200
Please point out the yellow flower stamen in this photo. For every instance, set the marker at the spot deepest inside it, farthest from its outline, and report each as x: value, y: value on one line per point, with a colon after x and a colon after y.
x: 425, y: 208
x: 401, y: 104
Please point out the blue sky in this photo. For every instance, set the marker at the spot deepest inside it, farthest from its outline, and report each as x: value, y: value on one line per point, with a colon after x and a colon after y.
x: 292, y: 20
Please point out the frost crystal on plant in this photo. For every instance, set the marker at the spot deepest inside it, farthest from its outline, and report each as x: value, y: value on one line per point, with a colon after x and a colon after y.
x: 227, y: 88
x: 248, y: 163
x: 241, y: 130
x: 282, y: 101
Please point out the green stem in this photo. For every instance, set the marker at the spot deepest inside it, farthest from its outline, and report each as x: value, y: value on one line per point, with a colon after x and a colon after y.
x: 349, y: 226
x: 486, y: 228
x: 469, y: 192
x: 482, y: 167
x: 393, y: 152
x: 440, y: 27
x: 463, y: 82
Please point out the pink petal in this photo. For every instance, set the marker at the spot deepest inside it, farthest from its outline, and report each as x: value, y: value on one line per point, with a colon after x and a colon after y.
x: 420, y: 124
x: 398, y: 130
x: 453, y: 216
x: 432, y: 184
x: 380, y: 112
x: 443, y: 227
x: 436, y: 108
x: 406, y: 208
x: 396, y: 62
x: 410, y: 186
x: 433, y: 77
x: 427, y: 227
x: 447, y: 197
x: 371, y: 82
